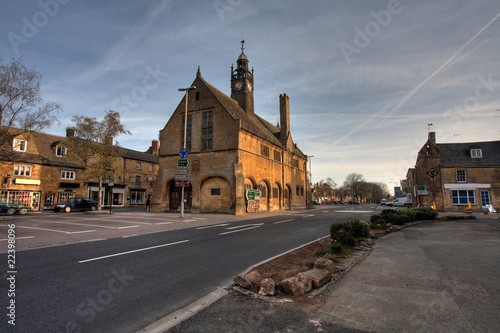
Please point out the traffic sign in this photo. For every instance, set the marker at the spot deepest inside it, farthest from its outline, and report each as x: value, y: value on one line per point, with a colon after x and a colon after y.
x: 181, y: 177
x: 183, y: 153
x: 182, y: 183
x: 181, y: 171
x: 183, y: 162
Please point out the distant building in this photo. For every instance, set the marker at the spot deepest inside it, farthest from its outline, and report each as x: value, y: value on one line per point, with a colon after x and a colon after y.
x: 37, y: 172
x: 450, y: 175
x: 231, y: 151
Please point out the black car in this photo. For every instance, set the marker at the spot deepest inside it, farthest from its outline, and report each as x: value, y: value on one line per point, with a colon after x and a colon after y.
x: 76, y: 204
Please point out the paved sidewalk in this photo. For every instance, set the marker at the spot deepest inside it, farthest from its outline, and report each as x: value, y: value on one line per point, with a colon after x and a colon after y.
x: 441, y: 276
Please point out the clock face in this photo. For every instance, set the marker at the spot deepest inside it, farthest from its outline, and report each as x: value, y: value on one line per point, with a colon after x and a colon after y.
x: 238, y: 85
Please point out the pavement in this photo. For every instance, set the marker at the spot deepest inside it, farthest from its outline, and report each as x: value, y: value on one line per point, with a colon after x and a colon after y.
x: 440, y: 276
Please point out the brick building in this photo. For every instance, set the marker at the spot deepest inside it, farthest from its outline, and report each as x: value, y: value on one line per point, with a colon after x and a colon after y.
x: 37, y: 172
x: 231, y: 151
x: 450, y: 175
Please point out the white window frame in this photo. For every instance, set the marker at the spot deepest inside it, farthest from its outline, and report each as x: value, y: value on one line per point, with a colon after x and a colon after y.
x: 22, y: 170
x: 138, y: 166
x: 17, y: 145
x: 69, y: 175
x: 476, y: 153
x: 461, y: 178
x: 61, y: 151
x: 151, y: 167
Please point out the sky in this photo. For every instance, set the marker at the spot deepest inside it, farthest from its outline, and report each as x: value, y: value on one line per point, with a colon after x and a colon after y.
x: 367, y: 80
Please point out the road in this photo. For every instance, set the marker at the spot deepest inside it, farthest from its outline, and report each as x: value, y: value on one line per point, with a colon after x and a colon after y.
x: 124, y: 284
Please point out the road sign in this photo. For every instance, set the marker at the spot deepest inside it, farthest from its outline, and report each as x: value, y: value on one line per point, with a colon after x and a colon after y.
x: 421, y: 187
x: 183, y: 153
x: 183, y: 162
x: 181, y: 171
x: 181, y: 177
x: 182, y: 183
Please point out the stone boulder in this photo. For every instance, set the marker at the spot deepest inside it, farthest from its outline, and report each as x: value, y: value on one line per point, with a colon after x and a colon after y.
x: 242, y: 282
x: 267, y: 287
x: 297, y: 285
x: 326, y: 264
x: 318, y: 277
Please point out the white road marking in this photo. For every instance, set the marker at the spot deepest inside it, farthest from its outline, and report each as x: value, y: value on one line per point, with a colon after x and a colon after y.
x: 238, y: 230
x: 17, y: 238
x: 163, y: 223
x: 213, y: 226
x: 132, y: 251
x: 306, y: 216
x: 245, y: 225
x: 53, y: 230
x: 75, y: 223
x: 284, y: 221
x: 128, y: 227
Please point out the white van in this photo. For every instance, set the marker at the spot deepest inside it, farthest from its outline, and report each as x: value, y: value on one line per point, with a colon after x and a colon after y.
x: 397, y: 202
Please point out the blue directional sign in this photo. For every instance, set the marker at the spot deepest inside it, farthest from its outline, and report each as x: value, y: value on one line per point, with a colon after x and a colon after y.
x: 183, y: 153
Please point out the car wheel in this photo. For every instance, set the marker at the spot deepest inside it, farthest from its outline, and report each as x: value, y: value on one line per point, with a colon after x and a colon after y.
x: 67, y: 209
x: 23, y: 211
x: 11, y: 211
x: 93, y: 208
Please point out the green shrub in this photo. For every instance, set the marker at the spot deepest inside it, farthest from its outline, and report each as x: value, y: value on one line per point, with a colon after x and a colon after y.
x: 426, y: 213
x: 347, y: 233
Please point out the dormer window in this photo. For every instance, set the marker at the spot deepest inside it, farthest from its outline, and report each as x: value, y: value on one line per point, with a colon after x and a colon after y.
x: 476, y: 153
x: 20, y: 145
x: 61, y: 151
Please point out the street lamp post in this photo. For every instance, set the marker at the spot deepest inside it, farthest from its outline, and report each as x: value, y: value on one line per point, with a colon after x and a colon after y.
x: 185, y: 139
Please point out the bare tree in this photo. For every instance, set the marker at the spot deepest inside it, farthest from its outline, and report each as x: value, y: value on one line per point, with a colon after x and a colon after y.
x: 21, y: 106
x: 353, y: 182
x: 92, y: 144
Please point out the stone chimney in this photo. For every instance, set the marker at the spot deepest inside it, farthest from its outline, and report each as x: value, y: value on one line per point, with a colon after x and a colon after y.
x: 432, y: 137
x: 155, y: 147
x: 70, y: 132
x: 108, y: 140
x: 284, y: 117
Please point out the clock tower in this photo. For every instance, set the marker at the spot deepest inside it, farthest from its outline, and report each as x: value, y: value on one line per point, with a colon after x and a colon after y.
x: 242, y: 82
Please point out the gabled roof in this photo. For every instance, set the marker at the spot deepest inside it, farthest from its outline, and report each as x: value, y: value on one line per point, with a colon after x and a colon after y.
x: 458, y: 154
x: 250, y: 122
x: 42, y: 147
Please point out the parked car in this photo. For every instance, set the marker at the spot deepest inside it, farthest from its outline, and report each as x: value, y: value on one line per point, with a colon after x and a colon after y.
x: 383, y: 202
x: 397, y: 202
x: 76, y: 204
x: 12, y: 209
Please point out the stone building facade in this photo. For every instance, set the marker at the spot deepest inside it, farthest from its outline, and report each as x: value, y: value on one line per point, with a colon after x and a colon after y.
x: 450, y: 175
x: 231, y: 150
x: 37, y: 172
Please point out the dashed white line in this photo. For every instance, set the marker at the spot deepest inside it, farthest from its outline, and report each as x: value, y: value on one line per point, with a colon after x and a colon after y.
x: 213, y: 226
x: 133, y: 251
x: 245, y: 225
x: 17, y: 238
x: 238, y: 230
x: 161, y: 223
x: 306, y: 216
x: 53, y: 230
x: 128, y: 227
x: 284, y: 221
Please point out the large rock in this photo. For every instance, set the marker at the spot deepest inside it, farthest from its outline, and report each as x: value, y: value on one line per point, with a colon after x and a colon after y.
x: 319, y: 277
x: 327, y: 264
x: 297, y: 285
x: 242, y: 282
x: 267, y: 287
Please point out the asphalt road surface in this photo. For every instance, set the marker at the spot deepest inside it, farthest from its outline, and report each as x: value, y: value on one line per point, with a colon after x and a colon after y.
x: 124, y: 284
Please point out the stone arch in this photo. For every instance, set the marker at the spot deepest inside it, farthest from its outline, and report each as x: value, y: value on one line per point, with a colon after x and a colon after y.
x: 250, y: 183
x: 276, y: 202
x: 266, y: 194
x: 287, y: 196
x: 215, y: 195
x: 174, y: 196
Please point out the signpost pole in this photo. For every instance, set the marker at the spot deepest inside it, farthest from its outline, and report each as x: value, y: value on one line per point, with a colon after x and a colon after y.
x: 185, y: 138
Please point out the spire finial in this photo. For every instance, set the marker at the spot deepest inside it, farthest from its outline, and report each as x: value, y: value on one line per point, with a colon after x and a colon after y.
x: 242, y: 45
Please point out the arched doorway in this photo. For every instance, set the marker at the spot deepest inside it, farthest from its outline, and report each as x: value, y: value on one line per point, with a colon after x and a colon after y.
x: 175, y: 197
x: 265, y: 196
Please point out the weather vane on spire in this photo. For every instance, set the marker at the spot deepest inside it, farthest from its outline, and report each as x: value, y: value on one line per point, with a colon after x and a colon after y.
x: 242, y: 45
